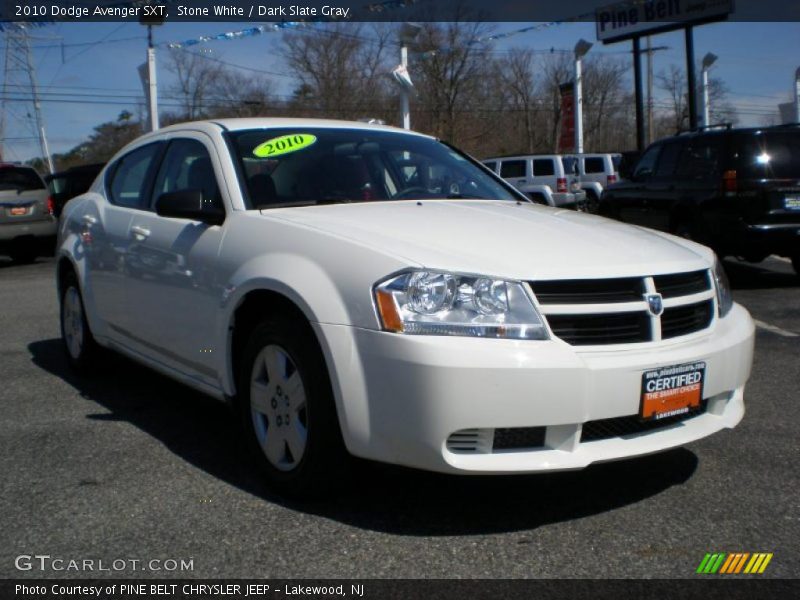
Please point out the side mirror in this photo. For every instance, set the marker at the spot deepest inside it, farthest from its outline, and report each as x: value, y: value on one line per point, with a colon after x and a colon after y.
x: 189, y: 204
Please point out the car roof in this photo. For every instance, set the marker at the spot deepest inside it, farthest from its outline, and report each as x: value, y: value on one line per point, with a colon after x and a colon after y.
x: 525, y: 156
x: 240, y: 124
x: 721, y: 131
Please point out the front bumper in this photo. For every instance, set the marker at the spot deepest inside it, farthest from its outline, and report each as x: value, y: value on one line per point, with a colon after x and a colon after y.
x: 401, y: 397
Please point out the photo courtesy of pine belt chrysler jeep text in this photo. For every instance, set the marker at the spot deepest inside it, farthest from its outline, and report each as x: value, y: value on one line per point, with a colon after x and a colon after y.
x: 358, y: 289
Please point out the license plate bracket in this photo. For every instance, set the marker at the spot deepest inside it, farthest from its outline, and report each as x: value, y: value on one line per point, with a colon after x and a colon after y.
x: 671, y: 391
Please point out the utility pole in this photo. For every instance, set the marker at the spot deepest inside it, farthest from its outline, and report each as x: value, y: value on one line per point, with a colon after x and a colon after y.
x: 650, y: 129
x: 408, y: 34
x: 797, y: 96
x: 18, y: 59
x: 147, y: 71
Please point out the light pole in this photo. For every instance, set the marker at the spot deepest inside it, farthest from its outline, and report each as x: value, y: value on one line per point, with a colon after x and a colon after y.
x: 147, y: 71
x: 797, y: 96
x: 581, y: 48
x: 408, y: 33
x: 708, y: 60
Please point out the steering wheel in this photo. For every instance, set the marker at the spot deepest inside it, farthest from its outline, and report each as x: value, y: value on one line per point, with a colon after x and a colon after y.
x: 411, y: 190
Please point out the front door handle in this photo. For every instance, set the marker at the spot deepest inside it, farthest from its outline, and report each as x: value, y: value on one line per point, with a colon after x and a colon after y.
x: 140, y: 233
x: 89, y: 220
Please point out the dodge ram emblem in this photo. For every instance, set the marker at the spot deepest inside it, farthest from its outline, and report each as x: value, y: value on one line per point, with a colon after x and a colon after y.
x: 655, y: 304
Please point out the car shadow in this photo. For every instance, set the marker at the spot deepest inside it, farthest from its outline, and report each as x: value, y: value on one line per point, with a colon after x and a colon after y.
x: 376, y: 497
x: 770, y: 274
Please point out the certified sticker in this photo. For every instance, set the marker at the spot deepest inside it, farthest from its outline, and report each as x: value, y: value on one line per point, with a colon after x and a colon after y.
x: 284, y: 145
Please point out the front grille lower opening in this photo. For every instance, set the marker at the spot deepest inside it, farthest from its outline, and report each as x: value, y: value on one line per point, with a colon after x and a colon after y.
x: 604, y: 429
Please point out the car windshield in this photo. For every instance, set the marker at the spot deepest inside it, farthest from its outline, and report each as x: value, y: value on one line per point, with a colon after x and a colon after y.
x: 770, y: 155
x: 21, y: 179
x: 307, y: 165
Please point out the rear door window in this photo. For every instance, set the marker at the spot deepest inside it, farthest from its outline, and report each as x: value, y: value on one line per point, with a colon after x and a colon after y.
x: 700, y: 159
x: 492, y: 165
x: 543, y: 167
x: 512, y: 168
x: 594, y: 164
x: 129, y: 177
x: 769, y: 155
x: 20, y: 179
x: 668, y: 160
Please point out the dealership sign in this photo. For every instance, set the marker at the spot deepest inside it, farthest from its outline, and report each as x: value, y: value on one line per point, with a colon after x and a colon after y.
x: 634, y: 18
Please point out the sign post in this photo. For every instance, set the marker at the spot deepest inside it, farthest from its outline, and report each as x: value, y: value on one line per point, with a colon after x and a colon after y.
x: 630, y: 21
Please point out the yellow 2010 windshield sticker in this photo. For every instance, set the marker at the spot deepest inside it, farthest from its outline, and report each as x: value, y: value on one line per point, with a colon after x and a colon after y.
x: 284, y: 145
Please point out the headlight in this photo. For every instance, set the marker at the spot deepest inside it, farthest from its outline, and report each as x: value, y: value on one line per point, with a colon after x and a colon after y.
x: 724, y: 296
x: 439, y: 303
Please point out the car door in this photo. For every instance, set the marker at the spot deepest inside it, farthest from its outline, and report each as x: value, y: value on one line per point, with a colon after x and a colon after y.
x: 661, y: 190
x: 104, y: 229
x: 172, y: 285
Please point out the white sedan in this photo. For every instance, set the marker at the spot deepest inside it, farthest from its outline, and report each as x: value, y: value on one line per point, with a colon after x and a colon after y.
x: 354, y: 288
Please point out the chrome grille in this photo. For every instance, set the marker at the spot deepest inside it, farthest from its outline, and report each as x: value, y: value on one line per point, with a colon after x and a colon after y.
x: 598, y: 312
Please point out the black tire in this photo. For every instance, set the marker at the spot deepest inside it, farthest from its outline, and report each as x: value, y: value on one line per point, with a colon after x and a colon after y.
x: 83, y: 356
x: 592, y: 203
x: 324, y: 460
x: 796, y: 263
x: 23, y: 251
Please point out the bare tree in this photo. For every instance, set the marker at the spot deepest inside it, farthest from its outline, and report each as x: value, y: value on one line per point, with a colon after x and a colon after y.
x: 194, y: 76
x: 341, y: 72
x: 606, y: 103
x: 517, y: 75
x: 673, y: 82
x: 451, y: 70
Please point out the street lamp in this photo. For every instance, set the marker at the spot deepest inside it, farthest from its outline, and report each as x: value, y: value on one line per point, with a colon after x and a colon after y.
x: 147, y: 71
x: 581, y: 48
x: 797, y: 96
x: 408, y: 34
x: 708, y: 60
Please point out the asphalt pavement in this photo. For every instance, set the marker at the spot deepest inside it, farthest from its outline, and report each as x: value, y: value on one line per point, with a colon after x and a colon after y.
x: 127, y: 465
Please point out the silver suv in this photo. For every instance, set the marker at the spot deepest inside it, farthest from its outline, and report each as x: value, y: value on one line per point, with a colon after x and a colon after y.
x: 26, y: 213
x: 550, y: 178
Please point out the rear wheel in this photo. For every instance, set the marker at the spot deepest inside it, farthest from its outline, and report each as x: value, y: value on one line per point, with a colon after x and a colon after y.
x: 287, y: 409
x: 79, y: 343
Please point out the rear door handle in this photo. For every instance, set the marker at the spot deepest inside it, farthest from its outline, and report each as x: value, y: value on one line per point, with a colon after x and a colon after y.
x: 140, y: 233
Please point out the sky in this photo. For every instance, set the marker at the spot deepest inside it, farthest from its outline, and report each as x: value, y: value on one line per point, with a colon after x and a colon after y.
x: 95, y: 64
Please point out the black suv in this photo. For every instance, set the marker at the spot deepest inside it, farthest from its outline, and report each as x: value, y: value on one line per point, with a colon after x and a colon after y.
x: 736, y: 190
x: 70, y: 183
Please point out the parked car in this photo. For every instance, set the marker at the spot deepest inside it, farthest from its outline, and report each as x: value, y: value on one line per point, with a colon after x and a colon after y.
x: 548, y: 179
x: 27, y: 223
x: 65, y: 185
x: 597, y: 171
x: 736, y: 190
x: 356, y: 288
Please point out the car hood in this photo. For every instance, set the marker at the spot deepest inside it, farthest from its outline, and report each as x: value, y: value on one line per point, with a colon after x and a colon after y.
x: 502, y: 238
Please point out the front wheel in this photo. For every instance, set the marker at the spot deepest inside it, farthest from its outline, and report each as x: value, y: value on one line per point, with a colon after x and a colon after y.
x: 288, y: 411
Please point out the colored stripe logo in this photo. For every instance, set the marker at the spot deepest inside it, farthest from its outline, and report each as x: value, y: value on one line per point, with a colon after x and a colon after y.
x: 734, y: 563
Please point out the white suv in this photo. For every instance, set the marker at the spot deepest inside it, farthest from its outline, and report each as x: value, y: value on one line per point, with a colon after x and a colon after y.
x: 597, y: 172
x: 550, y: 179
x: 358, y: 288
